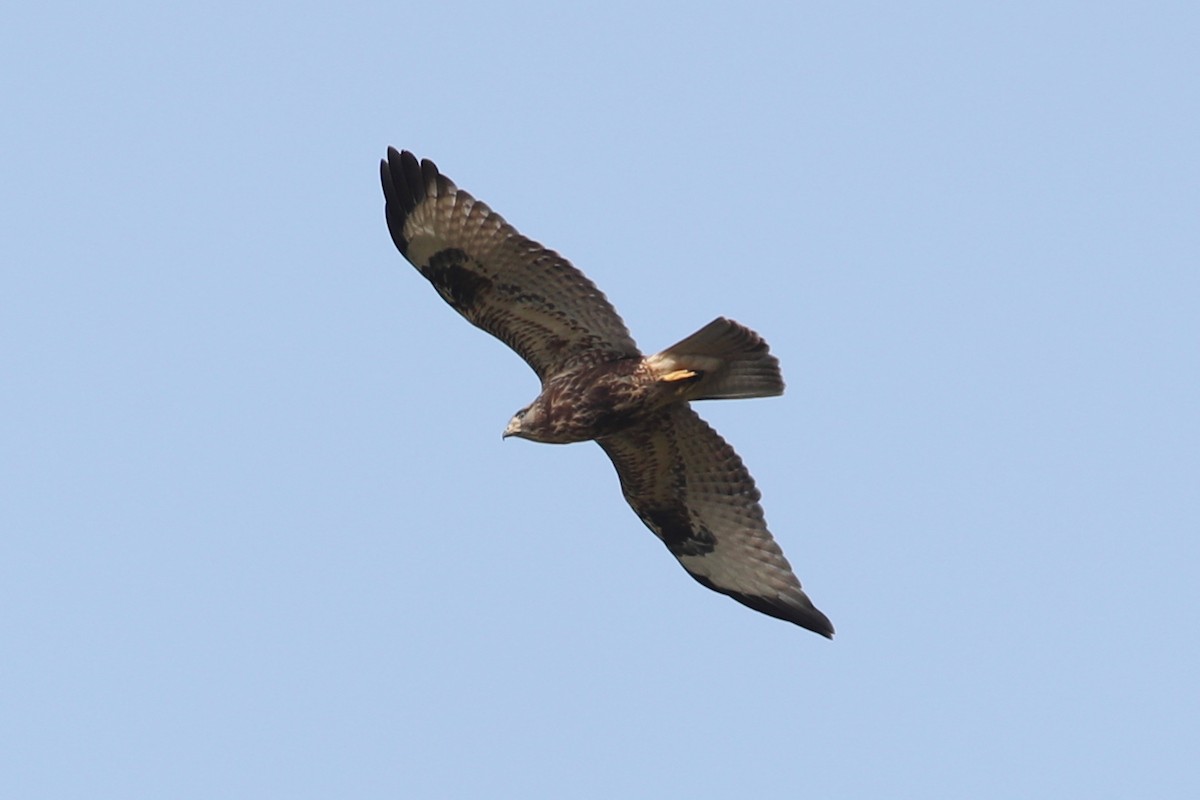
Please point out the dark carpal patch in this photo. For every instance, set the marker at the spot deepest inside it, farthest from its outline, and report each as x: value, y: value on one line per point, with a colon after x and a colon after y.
x: 449, y: 272
x: 675, y: 529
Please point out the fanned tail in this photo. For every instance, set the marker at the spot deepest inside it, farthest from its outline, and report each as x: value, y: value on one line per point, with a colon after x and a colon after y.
x: 722, y: 360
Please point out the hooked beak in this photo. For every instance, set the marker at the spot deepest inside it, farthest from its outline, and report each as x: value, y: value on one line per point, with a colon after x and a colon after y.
x: 514, y: 427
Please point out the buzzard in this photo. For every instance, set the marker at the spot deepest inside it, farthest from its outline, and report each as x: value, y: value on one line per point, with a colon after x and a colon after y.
x: 684, y: 481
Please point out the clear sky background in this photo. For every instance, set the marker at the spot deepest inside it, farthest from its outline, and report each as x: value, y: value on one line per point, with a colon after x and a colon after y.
x: 260, y: 535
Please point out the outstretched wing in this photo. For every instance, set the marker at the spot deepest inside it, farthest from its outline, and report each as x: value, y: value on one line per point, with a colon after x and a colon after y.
x: 529, y: 297
x: 690, y: 488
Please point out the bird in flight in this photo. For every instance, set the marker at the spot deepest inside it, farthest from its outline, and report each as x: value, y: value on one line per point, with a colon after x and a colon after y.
x: 685, y: 482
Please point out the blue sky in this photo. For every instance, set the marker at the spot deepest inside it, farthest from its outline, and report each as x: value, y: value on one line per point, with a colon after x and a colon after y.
x: 261, y: 537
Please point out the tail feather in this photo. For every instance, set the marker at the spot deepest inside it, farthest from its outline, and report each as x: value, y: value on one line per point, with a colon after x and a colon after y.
x: 728, y: 361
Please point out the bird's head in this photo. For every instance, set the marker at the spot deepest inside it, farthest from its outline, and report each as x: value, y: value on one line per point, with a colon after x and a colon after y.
x: 530, y: 423
x: 520, y: 423
x: 514, y: 426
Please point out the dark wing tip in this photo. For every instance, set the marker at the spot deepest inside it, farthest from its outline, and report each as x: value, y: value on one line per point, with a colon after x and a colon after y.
x: 812, y: 619
x: 405, y: 182
x: 797, y: 610
x: 806, y: 615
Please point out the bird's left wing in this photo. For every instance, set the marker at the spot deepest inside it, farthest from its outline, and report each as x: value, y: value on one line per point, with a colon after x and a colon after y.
x: 529, y: 297
x: 691, y: 488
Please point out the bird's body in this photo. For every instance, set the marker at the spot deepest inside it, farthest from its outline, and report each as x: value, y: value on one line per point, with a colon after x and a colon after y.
x: 684, y: 481
x: 589, y: 402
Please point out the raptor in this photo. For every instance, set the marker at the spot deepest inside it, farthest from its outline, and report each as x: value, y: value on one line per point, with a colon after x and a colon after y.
x: 682, y: 479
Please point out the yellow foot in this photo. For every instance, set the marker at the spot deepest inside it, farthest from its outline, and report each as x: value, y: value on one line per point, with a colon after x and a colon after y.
x: 678, y: 375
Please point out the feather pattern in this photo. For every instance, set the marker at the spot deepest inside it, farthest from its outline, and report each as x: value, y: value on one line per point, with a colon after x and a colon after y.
x: 690, y: 487
x: 524, y: 294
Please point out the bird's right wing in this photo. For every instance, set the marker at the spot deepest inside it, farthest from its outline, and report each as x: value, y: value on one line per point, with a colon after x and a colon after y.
x: 691, y: 488
x: 529, y: 297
